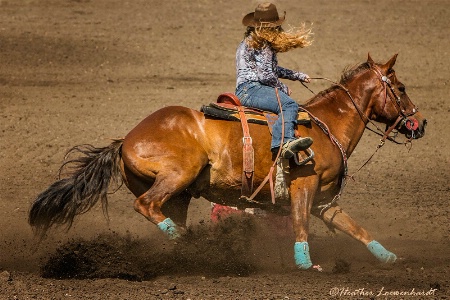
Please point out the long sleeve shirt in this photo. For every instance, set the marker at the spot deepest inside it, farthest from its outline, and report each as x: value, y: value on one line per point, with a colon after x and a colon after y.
x: 261, y: 65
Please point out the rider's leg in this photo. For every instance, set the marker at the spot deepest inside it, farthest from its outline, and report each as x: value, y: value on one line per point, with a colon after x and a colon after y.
x: 265, y: 98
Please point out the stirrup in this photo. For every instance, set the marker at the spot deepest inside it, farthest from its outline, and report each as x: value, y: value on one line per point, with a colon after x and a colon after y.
x: 310, y: 153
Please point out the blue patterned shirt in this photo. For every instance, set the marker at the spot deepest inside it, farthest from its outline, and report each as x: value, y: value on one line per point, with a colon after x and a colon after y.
x: 261, y: 65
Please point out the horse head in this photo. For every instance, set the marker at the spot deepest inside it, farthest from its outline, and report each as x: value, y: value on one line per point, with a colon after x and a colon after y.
x: 394, y: 107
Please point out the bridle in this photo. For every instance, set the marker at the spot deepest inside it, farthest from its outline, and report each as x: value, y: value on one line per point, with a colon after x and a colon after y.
x: 403, y: 118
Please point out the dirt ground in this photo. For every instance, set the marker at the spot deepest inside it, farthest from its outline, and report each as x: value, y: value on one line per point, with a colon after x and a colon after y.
x: 85, y: 71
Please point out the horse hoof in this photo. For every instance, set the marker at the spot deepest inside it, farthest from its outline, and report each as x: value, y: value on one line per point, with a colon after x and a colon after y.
x: 391, y: 258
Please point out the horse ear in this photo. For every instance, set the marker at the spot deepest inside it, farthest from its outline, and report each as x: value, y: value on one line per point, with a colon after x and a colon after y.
x: 391, y: 62
x: 369, y: 59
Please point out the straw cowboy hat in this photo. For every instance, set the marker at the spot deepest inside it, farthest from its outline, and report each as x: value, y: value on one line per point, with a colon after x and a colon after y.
x: 265, y: 15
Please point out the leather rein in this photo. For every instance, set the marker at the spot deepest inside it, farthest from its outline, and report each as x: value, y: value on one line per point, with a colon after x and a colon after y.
x: 402, y: 119
x: 403, y: 116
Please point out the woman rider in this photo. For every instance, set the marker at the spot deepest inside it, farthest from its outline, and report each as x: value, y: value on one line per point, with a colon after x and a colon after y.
x: 258, y: 73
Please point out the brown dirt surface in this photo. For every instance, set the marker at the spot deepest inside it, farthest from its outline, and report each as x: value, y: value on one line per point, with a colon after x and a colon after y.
x: 85, y: 71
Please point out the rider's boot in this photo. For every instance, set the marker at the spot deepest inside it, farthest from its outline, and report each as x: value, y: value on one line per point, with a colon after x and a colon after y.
x: 289, y: 149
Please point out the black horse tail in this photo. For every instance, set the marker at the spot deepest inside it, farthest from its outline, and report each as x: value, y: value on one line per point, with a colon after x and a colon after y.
x: 89, y: 177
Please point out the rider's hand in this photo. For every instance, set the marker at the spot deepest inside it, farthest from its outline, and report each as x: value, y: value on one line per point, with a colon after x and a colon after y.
x: 306, y: 79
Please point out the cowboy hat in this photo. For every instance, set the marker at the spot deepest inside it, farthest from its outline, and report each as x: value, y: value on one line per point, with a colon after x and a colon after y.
x: 265, y: 15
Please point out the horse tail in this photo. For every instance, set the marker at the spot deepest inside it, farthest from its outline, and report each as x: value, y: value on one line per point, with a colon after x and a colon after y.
x: 89, y: 177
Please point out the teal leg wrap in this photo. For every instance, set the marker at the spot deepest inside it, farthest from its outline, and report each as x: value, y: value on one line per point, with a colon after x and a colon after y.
x: 301, y: 255
x: 381, y: 253
x: 170, y: 228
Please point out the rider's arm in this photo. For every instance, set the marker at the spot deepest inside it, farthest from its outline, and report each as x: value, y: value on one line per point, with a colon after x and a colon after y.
x: 266, y: 67
x: 291, y: 75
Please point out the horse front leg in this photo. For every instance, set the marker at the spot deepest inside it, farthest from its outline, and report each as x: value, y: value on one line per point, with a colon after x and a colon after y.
x: 302, y: 195
x: 337, y: 218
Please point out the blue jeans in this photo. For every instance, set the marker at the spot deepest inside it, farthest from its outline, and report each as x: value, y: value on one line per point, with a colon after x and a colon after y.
x: 254, y: 94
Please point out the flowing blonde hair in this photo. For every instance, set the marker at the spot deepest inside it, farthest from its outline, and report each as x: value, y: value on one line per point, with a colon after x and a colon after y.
x: 279, y: 39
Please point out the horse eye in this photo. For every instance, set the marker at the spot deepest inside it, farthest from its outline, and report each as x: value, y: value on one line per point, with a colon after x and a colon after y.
x: 402, y: 88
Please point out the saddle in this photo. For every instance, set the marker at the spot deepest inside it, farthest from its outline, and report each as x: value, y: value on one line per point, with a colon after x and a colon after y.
x: 229, y: 107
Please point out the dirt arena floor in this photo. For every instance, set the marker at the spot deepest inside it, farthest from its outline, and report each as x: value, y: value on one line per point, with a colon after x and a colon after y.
x: 86, y: 71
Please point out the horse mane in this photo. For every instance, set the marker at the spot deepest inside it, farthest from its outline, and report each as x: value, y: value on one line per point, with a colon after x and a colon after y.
x: 348, y: 74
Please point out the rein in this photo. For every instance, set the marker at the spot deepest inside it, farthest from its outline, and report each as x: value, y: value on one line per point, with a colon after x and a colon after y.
x: 385, y: 134
x: 401, y: 119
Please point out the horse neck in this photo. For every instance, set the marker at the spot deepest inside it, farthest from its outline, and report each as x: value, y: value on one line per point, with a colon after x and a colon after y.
x: 335, y: 108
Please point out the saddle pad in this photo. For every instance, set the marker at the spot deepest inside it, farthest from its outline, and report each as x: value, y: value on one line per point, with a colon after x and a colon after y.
x: 230, y: 112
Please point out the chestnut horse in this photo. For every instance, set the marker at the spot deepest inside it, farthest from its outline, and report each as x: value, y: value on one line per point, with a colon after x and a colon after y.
x: 177, y: 153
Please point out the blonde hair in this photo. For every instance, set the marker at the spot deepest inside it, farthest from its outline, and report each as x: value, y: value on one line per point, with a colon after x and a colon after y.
x: 279, y: 39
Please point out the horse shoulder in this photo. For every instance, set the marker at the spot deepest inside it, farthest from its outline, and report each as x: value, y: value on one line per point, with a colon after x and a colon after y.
x: 328, y: 161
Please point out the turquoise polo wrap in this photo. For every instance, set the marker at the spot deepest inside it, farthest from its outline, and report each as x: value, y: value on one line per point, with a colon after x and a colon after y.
x: 301, y: 255
x: 169, y: 227
x: 381, y: 253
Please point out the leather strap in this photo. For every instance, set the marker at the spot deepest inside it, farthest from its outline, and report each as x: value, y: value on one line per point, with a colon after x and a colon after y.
x: 248, y: 157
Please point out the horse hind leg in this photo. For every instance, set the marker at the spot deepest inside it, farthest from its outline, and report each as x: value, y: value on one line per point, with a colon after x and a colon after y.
x: 176, y: 208
x: 335, y: 217
x: 167, y: 195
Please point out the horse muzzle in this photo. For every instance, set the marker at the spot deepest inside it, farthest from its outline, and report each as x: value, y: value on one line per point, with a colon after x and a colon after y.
x: 413, y: 127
